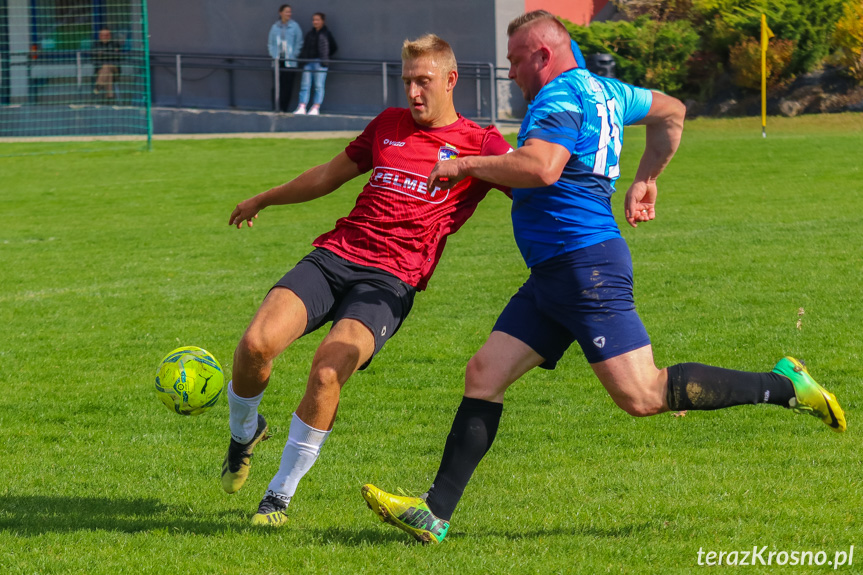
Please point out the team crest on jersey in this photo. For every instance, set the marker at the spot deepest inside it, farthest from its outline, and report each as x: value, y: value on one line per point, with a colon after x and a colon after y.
x: 447, y: 152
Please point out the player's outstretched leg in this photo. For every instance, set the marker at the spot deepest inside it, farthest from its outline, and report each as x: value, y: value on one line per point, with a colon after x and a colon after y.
x: 810, y: 397
x: 410, y: 514
x: 235, y: 467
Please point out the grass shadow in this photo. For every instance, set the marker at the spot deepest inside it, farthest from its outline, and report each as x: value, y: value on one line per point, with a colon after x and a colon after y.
x: 29, y: 515
x: 364, y: 537
x: 369, y: 536
x: 619, y: 532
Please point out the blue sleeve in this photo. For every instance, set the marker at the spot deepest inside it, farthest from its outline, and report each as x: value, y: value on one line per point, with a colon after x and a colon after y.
x: 272, y: 43
x: 555, y: 121
x: 298, y: 40
x: 635, y: 102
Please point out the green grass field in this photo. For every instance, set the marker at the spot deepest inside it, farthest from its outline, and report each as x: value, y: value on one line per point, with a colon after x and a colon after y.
x: 110, y: 260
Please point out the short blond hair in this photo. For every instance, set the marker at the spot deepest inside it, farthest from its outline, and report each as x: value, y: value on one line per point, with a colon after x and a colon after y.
x: 529, y: 18
x: 434, y: 46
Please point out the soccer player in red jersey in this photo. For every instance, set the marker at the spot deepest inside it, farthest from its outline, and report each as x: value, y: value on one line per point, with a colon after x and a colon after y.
x: 363, y: 274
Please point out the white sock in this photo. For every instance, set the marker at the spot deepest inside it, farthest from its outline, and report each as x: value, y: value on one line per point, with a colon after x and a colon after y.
x: 244, y: 414
x: 301, y: 451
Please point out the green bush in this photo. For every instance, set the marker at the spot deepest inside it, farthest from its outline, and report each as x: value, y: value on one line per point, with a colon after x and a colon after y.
x: 646, y: 52
x: 661, y: 10
x: 684, y: 47
x: 745, y: 60
x: 848, y: 39
x: 809, y: 25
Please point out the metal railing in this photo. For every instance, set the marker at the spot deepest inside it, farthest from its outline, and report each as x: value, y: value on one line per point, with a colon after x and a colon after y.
x: 25, y: 78
x: 179, y: 65
x: 77, y: 69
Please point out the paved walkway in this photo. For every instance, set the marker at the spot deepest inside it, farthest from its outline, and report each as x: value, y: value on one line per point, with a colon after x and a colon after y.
x: 505, y: 128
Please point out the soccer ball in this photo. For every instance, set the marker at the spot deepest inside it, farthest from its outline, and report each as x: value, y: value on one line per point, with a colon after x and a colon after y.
x: 189, y: 381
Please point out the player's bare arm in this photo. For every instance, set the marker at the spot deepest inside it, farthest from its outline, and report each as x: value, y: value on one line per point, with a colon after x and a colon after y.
x: 311, y: 184
x: 664, y: 128
x: 536, y: 163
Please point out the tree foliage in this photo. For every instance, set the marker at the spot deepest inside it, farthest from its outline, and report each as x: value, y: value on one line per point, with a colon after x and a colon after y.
x: 808, y: 24
x: 646, y: 52
x: 848, y: 39
x: 683, y: 46
x: 661, y: 10
x: 745, y: 60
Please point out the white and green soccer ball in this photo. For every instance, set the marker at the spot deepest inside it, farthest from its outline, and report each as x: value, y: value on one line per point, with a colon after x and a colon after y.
x: 189, y: 381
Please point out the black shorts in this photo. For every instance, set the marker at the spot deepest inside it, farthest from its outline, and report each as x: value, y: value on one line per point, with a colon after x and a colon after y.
x: 333, y: 288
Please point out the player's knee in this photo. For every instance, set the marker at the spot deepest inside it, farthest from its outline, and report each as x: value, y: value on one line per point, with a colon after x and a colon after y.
x: 253, y: 350
x: 475, y: 373
x: 324, y: 382
x: 322, y: 391
x: 481, y: 381
x: 636, y: 410
x: 639, y: 406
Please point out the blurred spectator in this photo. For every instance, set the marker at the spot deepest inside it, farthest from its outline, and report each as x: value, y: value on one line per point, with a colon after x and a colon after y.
x: 319, y: 46
x: 284, y: 44
x: 106, y: 62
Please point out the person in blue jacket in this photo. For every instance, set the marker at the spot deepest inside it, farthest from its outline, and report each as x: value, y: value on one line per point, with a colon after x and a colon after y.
x: 284, y: 44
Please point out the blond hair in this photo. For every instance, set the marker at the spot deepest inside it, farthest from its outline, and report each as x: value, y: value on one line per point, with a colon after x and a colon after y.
x: 529, y: 18
x: 433, y: 46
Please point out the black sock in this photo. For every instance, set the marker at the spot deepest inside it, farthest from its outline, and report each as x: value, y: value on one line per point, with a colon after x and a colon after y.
x: 703, y: 387
x: 470, y: 437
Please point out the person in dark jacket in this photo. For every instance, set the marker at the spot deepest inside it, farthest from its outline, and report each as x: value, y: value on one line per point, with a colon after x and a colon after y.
x: 106, y: 62
x: 318, y: 46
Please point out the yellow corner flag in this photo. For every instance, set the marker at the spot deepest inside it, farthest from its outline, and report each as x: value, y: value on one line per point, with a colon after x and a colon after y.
x: 766, y: 35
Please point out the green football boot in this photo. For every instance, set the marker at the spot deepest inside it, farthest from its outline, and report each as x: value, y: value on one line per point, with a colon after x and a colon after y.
x: 271, y: 512
x: 410, y: 514
x: 235, y: 467
x: 811, y: 397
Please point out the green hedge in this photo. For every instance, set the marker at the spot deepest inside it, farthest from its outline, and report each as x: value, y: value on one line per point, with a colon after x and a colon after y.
x: 646, y: 52
x: 809, y: 24
x: 685, y: 53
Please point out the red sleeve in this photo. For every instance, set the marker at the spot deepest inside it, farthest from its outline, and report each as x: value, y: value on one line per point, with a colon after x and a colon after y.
x: 493, y: 144
x: 360, y: 150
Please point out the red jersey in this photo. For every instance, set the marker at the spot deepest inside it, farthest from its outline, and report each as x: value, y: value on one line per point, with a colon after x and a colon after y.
x: 398, y: 225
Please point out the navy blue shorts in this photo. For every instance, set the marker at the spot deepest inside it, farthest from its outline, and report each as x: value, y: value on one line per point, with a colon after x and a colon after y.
x: 333, y: 288
x: 585, y: 296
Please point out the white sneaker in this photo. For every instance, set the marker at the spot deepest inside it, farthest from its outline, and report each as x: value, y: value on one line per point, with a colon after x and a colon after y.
x: 301, y: 110
x: 316, y: 110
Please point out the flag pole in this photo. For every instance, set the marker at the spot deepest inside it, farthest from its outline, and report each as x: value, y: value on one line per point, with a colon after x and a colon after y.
x: 766, y: 34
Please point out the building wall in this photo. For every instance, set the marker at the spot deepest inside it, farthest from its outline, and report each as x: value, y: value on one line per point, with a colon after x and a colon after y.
x: 372, y: 29
x: 576, y: 11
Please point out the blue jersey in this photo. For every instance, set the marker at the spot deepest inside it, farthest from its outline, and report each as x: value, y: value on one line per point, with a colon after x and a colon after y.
x: 585, y: 114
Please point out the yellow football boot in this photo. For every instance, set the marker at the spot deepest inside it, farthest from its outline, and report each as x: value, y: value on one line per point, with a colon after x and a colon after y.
x: 410, y: 514
x: 810, y: 397
x: 235, y: 467
x: 271, y: 512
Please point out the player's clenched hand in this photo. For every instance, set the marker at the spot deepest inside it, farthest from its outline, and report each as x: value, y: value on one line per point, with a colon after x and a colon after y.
x: 640, y: 202
x: 445, y: 175
x: 246, y: 211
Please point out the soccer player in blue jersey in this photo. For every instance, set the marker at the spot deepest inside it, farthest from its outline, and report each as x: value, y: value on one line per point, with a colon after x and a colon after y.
x: 580, y: 286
